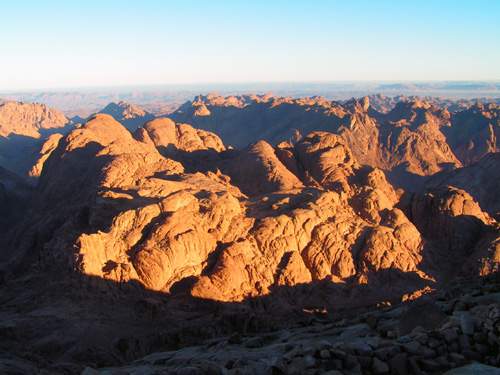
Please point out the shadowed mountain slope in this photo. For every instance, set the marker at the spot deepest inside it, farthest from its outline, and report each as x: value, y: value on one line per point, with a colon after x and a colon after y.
x: 129, y: 115
x: 413, y: 137
x: 23, y: 128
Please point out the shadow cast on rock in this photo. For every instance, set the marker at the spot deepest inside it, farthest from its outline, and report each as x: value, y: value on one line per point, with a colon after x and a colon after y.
x: 92, y: 321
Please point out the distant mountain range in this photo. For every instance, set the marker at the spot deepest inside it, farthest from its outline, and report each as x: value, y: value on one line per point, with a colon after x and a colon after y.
x: 163, y: 99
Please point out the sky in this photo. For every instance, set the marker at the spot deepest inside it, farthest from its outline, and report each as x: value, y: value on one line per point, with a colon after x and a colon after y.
x: 91, y: 43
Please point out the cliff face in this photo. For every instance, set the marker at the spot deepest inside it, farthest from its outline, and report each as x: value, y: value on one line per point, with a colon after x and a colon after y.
x: 23, y: 128
x: 28, y: 119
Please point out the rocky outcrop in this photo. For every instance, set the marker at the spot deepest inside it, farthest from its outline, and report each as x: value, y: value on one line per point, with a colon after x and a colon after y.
x: 47, y: 148
x: 242, y: 120
x: 408, y: 138
x: 133, y: 214
x: 385, y: 104
x: 129, y: 115
x: 474, y: 132
x: 450, y: 215
x: 460, y: 337
x: 479, y: 180
x: 411, y: 134
x: 29, y: 120
x: 453, y: 223
x: 135, y: 208
x: 23, y: 128
x: 169, y: 136
x: 258, y: 170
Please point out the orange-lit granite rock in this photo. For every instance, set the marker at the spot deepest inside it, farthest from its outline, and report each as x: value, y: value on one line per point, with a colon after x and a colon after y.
x: 28, y: 119
x: 47, y: 148
x: 173, y: 235
x: 23, y: 129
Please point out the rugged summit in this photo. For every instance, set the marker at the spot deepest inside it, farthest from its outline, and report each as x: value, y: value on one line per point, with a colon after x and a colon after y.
x: 30, y: 120
x: 166, y: 134
x: 136, y: 209
x: 410, y: 138
x: 129, y: 115
x: 23, y: 128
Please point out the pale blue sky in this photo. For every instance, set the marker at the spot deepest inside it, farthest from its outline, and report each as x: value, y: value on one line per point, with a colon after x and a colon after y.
x: 55, y: 44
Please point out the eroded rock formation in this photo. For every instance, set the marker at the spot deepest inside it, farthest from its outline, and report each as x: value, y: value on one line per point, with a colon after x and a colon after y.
x: 409, y: 136
x: 129, y: 115
x: 167, y: 224
x: 23, y: 129
x: 258, y: 218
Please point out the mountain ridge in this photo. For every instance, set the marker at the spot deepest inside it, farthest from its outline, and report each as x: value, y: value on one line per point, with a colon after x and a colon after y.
x: 167, y: 230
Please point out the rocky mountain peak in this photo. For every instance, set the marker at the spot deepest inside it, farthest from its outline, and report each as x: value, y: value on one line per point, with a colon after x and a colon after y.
x: 130, y: 115
x: 29, y: 119
x: 123, y: 110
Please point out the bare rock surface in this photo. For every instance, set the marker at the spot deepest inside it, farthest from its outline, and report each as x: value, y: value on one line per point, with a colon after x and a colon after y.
x: 299, y: 257
x: 23, y: 129
x: 480, y: 180
x: 48, y: 146
x: 361, y: 345
x: 136, y: 209
x: 412, y: 138
x: 27, y: 119
x: 130, y: 115
x: 475, y: 132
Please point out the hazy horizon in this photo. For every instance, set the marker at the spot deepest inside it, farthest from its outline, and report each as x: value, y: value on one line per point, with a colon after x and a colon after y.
x: 163, y: 99
x: 59, y: 45
x: 245, y: 84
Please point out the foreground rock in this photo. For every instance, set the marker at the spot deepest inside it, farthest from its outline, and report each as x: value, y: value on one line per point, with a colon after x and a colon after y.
x: 369, y: 344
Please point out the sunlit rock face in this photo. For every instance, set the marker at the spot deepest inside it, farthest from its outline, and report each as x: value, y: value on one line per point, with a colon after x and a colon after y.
x: 479, y: 180
x: 24, y: 128
x: 26, y: 119
x: 48, y: 146
x: 170, y: 203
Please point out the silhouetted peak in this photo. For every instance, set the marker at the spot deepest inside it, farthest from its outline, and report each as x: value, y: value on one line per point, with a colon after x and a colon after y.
x: 123, y: 110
